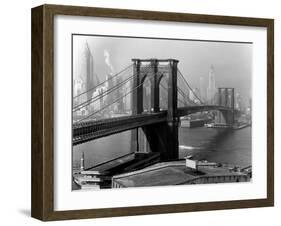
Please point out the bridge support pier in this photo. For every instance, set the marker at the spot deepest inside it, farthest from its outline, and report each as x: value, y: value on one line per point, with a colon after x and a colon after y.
x: 172, y: 118
x: 137, y: 102
x: 161, y: 137
x: 226, y: 99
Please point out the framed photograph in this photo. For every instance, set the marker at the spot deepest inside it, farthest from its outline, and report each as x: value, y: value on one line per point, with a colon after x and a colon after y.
x: 142, y: 112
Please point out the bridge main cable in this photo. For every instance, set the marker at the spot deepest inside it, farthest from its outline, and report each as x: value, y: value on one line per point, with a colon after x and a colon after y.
x: 185, y: 96
x: 182, y: 94
x: 190, y: 87
x: 120, y: 72
x: 94, y: 99
x: 112, y: 102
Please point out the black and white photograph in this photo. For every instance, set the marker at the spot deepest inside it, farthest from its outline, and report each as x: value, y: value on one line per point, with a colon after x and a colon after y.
x: 160, y: 112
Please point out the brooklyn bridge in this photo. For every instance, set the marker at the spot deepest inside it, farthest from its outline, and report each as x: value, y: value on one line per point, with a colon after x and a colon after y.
x: 169, y: 100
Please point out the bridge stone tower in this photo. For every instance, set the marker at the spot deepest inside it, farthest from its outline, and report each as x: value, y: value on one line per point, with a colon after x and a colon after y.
x: 226, y: 99
x: 162, y: 137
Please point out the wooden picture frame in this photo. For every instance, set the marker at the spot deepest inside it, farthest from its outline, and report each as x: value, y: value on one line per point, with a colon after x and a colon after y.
x: 42, y: 203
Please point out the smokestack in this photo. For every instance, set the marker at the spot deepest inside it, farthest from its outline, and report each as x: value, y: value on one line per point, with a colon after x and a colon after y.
x: 108, y: 61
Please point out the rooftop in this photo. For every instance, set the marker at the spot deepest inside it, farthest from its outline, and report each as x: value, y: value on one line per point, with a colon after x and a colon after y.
x: 169, y: 173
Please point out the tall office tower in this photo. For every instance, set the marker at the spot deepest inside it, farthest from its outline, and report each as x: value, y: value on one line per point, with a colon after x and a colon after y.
x: 79, y: 95
x: 211, y: 89
x: 110, y: 96
x: 191, y: 95
x: 197, y: 93
x: 194, y: 95
x: 238, y: 101
x: 120, y: 92
x: 97, y: 103
x: 201, y: 88
x: 89, y: 78
x: 187, y: 98
x: 88, y: 71
x: 77, y: 90
x: 111, y: 84
x: 128, y: 97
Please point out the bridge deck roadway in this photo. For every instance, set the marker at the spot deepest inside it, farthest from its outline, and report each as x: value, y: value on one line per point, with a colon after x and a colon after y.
x: 94, y: 129
x: 91, y: 130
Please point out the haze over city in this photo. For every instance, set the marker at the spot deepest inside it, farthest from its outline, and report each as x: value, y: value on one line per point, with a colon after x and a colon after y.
x: 231, y: 62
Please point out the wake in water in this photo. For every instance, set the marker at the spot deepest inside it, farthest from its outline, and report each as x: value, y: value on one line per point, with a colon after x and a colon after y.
x: 194, y: 152
x: 185, y: 147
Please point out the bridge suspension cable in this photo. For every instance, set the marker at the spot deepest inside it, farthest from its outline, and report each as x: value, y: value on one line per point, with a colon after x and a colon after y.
x: 184, y: 94
x: 166, y: 90
x: 117, y: 74
x: 101, y: 95
x: 108, y: 105
x: 190, y: 87
x: 185, y: 97
x: 183, y: 101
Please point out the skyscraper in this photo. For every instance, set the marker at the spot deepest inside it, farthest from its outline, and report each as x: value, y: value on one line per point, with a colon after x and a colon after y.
x: 238, y: 101
x: 112, y: 81
x: 128, y: 96
x: 88, y: 71
x: 196, y: 92
x: 87, y: 75
x: 191, y: 95
x: 201, y: 89
x: 211, y: 89
x: 78, y: 89
x: 119, y: 93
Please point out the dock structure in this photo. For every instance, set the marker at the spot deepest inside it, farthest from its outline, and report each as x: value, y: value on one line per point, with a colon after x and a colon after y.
x: 145, y: 169
x: 99, y: 176
x: 88, y: 179
x: 177, y: 173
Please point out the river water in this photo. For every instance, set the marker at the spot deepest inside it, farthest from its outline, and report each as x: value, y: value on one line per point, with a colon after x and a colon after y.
x: 215, y: 145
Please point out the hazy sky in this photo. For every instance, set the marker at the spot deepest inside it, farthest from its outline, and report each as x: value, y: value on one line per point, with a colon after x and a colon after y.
x: 232, y: 61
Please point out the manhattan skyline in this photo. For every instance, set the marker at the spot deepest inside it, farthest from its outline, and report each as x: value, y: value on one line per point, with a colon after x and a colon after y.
x: 230, y: 62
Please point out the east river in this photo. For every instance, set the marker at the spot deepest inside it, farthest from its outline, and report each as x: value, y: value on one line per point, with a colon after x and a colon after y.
x: 215, y: 145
